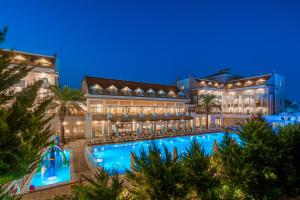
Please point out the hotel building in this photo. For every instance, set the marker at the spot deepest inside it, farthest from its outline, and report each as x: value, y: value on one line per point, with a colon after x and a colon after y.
x: 119, y: 107
x: 239, y: 96
x: 43, y: 68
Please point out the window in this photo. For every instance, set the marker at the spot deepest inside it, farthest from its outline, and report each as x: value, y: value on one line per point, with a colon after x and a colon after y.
x: 139, y: 92
x: 43, y: 62
x: 248, y: 83
x: 19, y: 58
x: 112, y: 90
x: 171, y: 94
x: 126, y: 91
x: 96, y: 89
x: 151, y: 92
x: 161, y: 93
x: 180, y: 94
x: 44, y: 79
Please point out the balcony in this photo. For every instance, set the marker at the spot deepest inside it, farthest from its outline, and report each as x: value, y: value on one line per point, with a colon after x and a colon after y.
x: 140, y: 116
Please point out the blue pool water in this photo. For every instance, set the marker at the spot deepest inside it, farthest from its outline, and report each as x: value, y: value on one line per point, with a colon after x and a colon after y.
x: 117, y: 156
x: 62, y: 171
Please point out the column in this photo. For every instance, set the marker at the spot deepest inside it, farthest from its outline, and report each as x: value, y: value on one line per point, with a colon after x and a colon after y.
x: 88, y: 126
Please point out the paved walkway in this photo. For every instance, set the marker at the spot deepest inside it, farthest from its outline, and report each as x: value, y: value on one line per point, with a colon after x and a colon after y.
x: 78, y: 168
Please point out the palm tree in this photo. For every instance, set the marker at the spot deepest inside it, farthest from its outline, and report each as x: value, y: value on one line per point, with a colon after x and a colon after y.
x: 206, y: 104
x: 66, y: 100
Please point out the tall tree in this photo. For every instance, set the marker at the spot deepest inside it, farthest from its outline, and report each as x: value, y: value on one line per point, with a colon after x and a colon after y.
x: 65, y: 101
x: 207, y: 103
x: 231, y: 169
x: 24, y: 129
x: 156, y: 175
x: 261, y: 151
x: 199, y: 176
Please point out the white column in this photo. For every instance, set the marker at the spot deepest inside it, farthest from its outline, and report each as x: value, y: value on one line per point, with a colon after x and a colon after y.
x: 88, y: 126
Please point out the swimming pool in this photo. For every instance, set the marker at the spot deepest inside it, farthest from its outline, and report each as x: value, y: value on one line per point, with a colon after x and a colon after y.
x: 117, y: 156
x: 43, y: 177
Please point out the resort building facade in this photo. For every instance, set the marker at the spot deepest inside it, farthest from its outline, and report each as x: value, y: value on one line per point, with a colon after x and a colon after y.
x: 118, y: 107
x: 43, y: 69
x: 239, y: 96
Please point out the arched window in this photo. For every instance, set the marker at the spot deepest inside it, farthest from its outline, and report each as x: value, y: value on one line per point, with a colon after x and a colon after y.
x: 139, y: 92
x: 151, y: 92
x: 126, y: 91
x: 96, y: 89
x: 112, y: 90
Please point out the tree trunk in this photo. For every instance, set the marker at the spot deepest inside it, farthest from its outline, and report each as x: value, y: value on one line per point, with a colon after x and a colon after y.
x: 207, y: 121
x: 62, y: 129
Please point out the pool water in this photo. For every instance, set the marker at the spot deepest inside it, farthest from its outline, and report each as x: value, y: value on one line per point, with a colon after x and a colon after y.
x: 117, y: 156
x: 62, y: 171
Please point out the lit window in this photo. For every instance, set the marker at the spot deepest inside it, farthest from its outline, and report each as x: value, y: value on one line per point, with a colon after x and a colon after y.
x: 139, y: 91
x: 171, y: 94
x: 261, y: 81
x: 19, y: 58
x: 151, y: 92
x: 161, y: 93
x: 43, y: 62
x: 229, y: 85
x: 126, y: 91
x: 247, y: 83
x: 96, y: 89
x: 112, y: 90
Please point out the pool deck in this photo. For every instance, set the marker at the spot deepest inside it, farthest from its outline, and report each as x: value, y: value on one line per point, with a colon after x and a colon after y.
x: 79, y: 168
x: 153, y: 137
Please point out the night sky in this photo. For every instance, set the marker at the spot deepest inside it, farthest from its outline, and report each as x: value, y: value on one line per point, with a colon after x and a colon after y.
x: 159, y: 41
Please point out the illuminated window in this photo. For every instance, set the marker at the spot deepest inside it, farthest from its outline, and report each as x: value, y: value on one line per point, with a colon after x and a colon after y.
x: 161, y: 93
x: 112, y: 90
x: 261, y: 81
x: 229, y: 85
x: 171, y: 94
x: 19, y: 58
x: 151, y: 92
x: 126, y: 91
x: 248, y: 83
x: 96, y: 89
x: 139, y: 92
x: 43, y: 62
x: 203, y: 83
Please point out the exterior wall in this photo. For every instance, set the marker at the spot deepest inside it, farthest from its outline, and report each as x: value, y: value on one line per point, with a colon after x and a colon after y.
x: 265, y: 96
x: 115, y: 116
x: 279, y: 101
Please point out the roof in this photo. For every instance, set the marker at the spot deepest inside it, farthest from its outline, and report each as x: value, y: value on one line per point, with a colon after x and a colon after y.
x: 31, y: 58
x: 133, y: 85
x: 233, y: 81
x: 223, y: 76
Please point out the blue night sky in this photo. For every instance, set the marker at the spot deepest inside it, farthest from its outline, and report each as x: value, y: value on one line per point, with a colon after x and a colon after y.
x: 158, y: 41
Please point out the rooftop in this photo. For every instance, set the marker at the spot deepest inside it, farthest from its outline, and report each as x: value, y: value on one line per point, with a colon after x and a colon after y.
x: 38, y: 60
x: 131, y: 88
